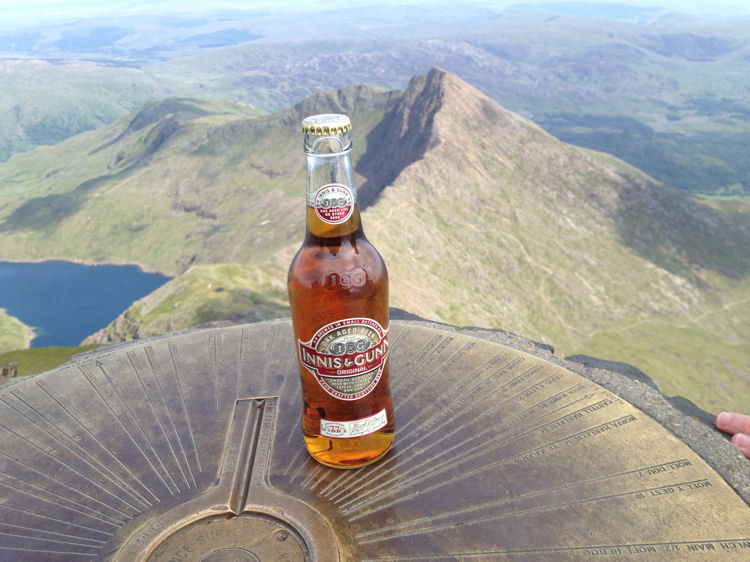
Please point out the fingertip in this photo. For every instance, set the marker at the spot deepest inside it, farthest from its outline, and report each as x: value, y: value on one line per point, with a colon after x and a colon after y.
x: 742, y: 442
x: 723, y: 420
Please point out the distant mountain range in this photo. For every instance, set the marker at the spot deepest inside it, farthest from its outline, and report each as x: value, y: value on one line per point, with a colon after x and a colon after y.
x: 483, y: 218
x: 663, y: 91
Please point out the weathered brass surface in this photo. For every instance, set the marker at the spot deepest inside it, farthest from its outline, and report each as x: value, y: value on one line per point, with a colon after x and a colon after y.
x: 188, y: 447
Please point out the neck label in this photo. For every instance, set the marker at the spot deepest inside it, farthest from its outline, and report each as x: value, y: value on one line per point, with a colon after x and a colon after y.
x: 333, y: 203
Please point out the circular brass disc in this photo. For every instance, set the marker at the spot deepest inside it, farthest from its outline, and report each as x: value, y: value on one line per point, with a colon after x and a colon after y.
x: 245, y: 538
x: 189, y: 447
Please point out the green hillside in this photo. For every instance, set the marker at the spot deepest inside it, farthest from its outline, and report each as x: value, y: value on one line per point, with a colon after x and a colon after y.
x: 204, y: 294
x: 43, y: 103
x: 13, y: 333
x: 38, y: 360
x: 180, y: 182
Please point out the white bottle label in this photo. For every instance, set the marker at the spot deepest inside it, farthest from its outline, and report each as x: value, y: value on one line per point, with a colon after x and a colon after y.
x: 356, y: 428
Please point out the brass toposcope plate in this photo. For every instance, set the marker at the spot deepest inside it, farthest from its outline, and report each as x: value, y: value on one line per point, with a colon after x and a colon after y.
x: 188, y: 447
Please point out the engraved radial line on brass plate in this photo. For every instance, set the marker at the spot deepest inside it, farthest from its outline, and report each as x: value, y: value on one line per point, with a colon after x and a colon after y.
x: 67, y: 466
x: 151, y: 356
x: 297, y: 462
x: 43, y: 477
x: 435, y: 345
x: 291, y: 374
x: 516, y: 500
x: 64, y: 523
x: 399, y: 333
x: 458, y: 426
x: 229, y: 495
x: 100, y: 392
x: 294, y: 429
x: 107, y: 452
x: 313, y: 474
x: 457, y: 390
x: 129, y: 414
x: 22, y: 486
x: 269, y: 353
x: 432, y: 465
x: 365, y: 478
x: 354, y: 505
x: 185, y: 411
x: 244, y: 344
x: 413, y: 362
x: 343, y: 482
x: 244, y: 465
x: 717, y: 549
x: 69, y: 447
x: 405, y: 446
x: 53, y: 537
x: 482, y: 449
x: 447, y: 362
x: 517, y: 513
x: 161, y: 473
x: 276, y: 364
x: 430, y: 424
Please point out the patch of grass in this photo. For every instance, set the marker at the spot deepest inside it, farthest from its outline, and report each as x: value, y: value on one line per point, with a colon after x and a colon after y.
x: 13, y: 333
x: 703, y: 358
x: 41, y: 359
x: 203, y: 294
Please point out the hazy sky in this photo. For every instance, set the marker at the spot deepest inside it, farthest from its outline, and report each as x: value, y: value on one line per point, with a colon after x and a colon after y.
x: 16, y: 11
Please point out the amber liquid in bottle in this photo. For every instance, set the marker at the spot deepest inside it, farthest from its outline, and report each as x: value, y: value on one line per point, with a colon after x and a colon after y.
x: 338, y: 275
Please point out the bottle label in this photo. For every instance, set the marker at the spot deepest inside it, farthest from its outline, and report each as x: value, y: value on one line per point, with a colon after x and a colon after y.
x: 333, y: 203
x: 347, y: 357
x: 356, y: 428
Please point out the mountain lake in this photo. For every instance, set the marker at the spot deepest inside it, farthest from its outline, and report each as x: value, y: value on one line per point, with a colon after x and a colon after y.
x: 65, y: 302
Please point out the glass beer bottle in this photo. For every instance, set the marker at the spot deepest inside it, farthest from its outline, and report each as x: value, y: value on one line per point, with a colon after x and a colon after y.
x: 338, y: 293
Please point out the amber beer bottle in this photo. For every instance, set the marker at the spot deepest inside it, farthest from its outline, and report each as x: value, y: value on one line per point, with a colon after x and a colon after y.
x: 338, y: 293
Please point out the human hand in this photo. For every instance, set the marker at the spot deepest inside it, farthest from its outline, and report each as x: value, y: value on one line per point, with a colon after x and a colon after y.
x: 738, y: 425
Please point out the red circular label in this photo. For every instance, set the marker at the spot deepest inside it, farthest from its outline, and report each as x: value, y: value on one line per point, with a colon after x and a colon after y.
x: 334, y: 203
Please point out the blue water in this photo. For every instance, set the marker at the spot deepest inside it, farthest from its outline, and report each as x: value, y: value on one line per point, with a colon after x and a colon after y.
x: 65, y: 302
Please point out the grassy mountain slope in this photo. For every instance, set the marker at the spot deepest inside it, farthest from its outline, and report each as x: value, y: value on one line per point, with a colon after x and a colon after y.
x: 38, y: 360
x: 180, y: 182
x: 13, y: 333
x: 485, y: 219
x: 43, y: 103
x: 532, y: 235
x: 203, y: 294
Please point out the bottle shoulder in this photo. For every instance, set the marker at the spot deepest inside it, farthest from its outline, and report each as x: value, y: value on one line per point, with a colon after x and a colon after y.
x: 353, y: 256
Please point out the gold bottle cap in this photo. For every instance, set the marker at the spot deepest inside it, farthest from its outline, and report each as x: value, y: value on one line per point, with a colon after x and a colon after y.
x: 326, y: 124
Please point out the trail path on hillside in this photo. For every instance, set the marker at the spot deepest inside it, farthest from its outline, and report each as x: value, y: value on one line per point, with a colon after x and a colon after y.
x: 688, y: 319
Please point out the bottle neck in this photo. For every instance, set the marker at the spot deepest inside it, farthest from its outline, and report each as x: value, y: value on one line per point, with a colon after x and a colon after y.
x: 332, y: 203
